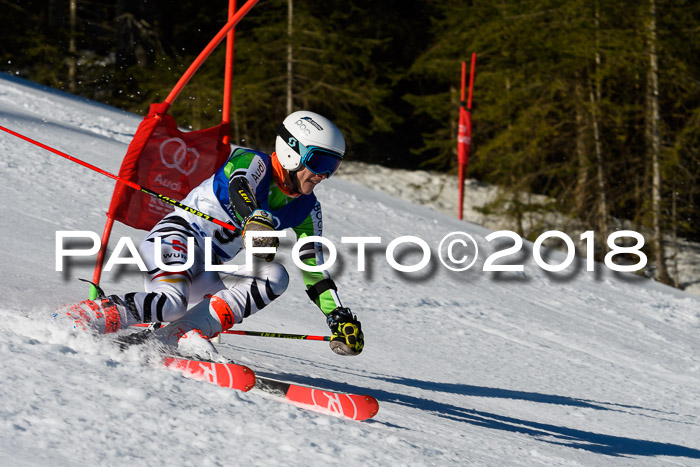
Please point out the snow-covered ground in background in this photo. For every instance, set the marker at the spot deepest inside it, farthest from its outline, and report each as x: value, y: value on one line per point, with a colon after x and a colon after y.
x: 440, y: 191
x: 470, y: 368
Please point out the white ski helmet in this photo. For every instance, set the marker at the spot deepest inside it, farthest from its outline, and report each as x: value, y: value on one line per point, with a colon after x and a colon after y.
x: 308, y: 139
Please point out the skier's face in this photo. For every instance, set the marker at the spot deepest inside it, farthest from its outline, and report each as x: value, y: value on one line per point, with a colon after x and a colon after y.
x: 308, y: 180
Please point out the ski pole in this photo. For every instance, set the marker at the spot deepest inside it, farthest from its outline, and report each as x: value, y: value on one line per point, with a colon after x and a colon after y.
x: 121, y: 180
x: 278, y: 335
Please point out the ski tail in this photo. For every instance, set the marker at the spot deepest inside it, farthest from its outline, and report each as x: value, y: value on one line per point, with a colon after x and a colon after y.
x: 226, y: 375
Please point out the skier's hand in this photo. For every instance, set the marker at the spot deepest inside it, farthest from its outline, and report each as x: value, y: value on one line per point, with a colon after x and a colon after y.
x: 261, y: 221
x: 347, y: 337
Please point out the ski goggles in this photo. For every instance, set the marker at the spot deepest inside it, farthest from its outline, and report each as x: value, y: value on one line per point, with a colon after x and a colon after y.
x: 318, y: 160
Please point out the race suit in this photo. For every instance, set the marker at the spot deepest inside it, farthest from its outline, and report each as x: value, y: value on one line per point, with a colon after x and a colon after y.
x: 244, y: 292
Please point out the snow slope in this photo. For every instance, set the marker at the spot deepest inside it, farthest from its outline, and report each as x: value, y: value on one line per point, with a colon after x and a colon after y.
x: 476, y: 368
x: 439, y: 191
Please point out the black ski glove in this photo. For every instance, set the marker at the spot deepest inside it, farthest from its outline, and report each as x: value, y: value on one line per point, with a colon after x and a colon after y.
x: 347, y: 337
x: 261, y: 221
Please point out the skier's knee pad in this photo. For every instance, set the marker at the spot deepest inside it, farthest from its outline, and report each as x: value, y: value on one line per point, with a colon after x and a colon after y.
x: 250, y: 291
x: 270, y: 282
x: 276, y: 279
x: 175, y: 306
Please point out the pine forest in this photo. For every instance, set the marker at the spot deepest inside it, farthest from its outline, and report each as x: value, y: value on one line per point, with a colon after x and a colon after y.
x: 594, y: 104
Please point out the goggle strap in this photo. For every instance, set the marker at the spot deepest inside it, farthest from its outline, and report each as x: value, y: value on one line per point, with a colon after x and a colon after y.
x: 291, y: 141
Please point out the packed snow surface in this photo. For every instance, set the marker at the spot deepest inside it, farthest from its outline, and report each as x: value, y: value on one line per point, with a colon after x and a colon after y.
x: 473, y: 367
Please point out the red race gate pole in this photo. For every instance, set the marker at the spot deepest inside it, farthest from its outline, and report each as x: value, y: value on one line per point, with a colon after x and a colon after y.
x: 228, y: 74
x: 464, y: 133
x: 461, y: 142
x: 228, y: 32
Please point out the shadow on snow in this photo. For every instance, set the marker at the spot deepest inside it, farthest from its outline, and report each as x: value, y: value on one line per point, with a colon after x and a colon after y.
x: 553, y: 434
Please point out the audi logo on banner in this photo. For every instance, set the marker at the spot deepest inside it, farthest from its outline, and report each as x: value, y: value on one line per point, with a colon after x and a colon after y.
x: 175, y: 154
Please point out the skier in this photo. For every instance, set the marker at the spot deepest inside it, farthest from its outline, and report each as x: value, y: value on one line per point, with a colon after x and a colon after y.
x: 256, y: 193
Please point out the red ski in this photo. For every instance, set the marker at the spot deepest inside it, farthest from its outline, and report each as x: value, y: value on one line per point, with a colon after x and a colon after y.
x: 353, y: 406
x: 234, y: 376
x: 226, y: 375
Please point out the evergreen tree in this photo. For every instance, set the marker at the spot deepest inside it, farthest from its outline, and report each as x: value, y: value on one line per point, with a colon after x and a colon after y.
x: 332, y: 73
x: 560, y: 104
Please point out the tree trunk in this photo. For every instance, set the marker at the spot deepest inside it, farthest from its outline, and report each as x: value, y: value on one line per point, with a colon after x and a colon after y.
x: 654, y: 144
x: 582, y: 165
x: 72, y: 50
x: 515, y: 208
x: 674, y: 227
x: 600, y: 177
x: 600, y: 170
x: 290, y: 55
